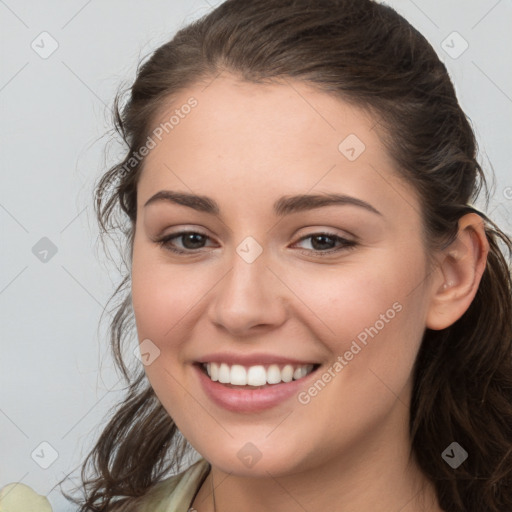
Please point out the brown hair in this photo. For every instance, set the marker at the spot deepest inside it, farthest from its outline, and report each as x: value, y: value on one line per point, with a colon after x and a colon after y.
x: 365, y: 53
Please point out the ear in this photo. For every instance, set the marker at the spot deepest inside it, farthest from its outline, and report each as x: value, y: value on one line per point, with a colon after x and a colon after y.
x: 460, y: 269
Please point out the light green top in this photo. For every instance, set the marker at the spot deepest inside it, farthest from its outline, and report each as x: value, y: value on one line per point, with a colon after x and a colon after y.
x: 18, y: 497
x: 174, y: 494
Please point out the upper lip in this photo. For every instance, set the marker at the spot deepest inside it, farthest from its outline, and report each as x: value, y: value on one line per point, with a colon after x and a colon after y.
x: 251, y: 359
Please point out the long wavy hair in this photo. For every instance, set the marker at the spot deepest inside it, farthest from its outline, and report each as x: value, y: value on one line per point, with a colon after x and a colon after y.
x: 367, y: 54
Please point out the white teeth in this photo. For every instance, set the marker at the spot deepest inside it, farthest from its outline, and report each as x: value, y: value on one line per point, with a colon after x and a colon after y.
x: 287, y: 373
x: 238, y: 375
x: 224, y: 373
x: 257, y: 375
x: 213, y: 371
x: 273, y: 374
x: 297, y: 374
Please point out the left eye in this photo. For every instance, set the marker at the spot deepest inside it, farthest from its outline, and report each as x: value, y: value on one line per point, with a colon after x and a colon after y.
x: 193, y: 241
x: 320, y: 240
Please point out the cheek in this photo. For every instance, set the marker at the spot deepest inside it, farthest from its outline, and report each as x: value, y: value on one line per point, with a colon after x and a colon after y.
x: 377, y: 319
x: 163, y: 295
x: 163, y: 301
x: 375, y: 315
x: 351, y: 298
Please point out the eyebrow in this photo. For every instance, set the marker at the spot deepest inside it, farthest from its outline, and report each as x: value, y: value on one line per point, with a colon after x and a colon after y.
x: 283, y: 206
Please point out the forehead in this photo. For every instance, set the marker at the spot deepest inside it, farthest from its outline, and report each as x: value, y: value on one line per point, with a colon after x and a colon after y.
x: 266, y: 140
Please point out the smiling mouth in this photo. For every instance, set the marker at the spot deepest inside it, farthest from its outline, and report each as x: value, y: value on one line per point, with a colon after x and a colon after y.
x: 257, y: 376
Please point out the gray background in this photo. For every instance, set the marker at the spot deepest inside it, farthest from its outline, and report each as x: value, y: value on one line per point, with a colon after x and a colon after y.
x: 57, y: 380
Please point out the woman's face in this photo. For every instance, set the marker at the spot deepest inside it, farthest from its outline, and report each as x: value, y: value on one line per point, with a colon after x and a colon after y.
x: 266, y: 282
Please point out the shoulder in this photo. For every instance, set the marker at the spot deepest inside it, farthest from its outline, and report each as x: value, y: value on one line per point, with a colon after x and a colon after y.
x: 18, y: 497
x: 176, y: 492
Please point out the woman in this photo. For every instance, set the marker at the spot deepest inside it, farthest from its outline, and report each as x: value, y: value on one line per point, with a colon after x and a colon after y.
x: 321, y: 312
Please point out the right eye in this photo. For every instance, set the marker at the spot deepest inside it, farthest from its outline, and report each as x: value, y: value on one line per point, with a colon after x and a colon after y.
x: 191, y: 242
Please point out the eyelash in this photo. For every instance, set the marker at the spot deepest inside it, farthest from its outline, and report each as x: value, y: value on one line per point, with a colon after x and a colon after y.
x: 165, y: 242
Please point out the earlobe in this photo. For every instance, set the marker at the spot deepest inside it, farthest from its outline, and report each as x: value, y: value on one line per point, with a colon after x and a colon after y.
x: 461, y: 267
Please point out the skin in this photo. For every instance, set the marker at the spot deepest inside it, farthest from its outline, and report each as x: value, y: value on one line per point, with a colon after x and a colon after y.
x: 246, y: 145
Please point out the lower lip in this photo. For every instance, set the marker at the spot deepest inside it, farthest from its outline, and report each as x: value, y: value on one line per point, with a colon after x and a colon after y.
x: 249, y: 400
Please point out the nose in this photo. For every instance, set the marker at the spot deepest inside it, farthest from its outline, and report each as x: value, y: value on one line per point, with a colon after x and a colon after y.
x: 249, y: 298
